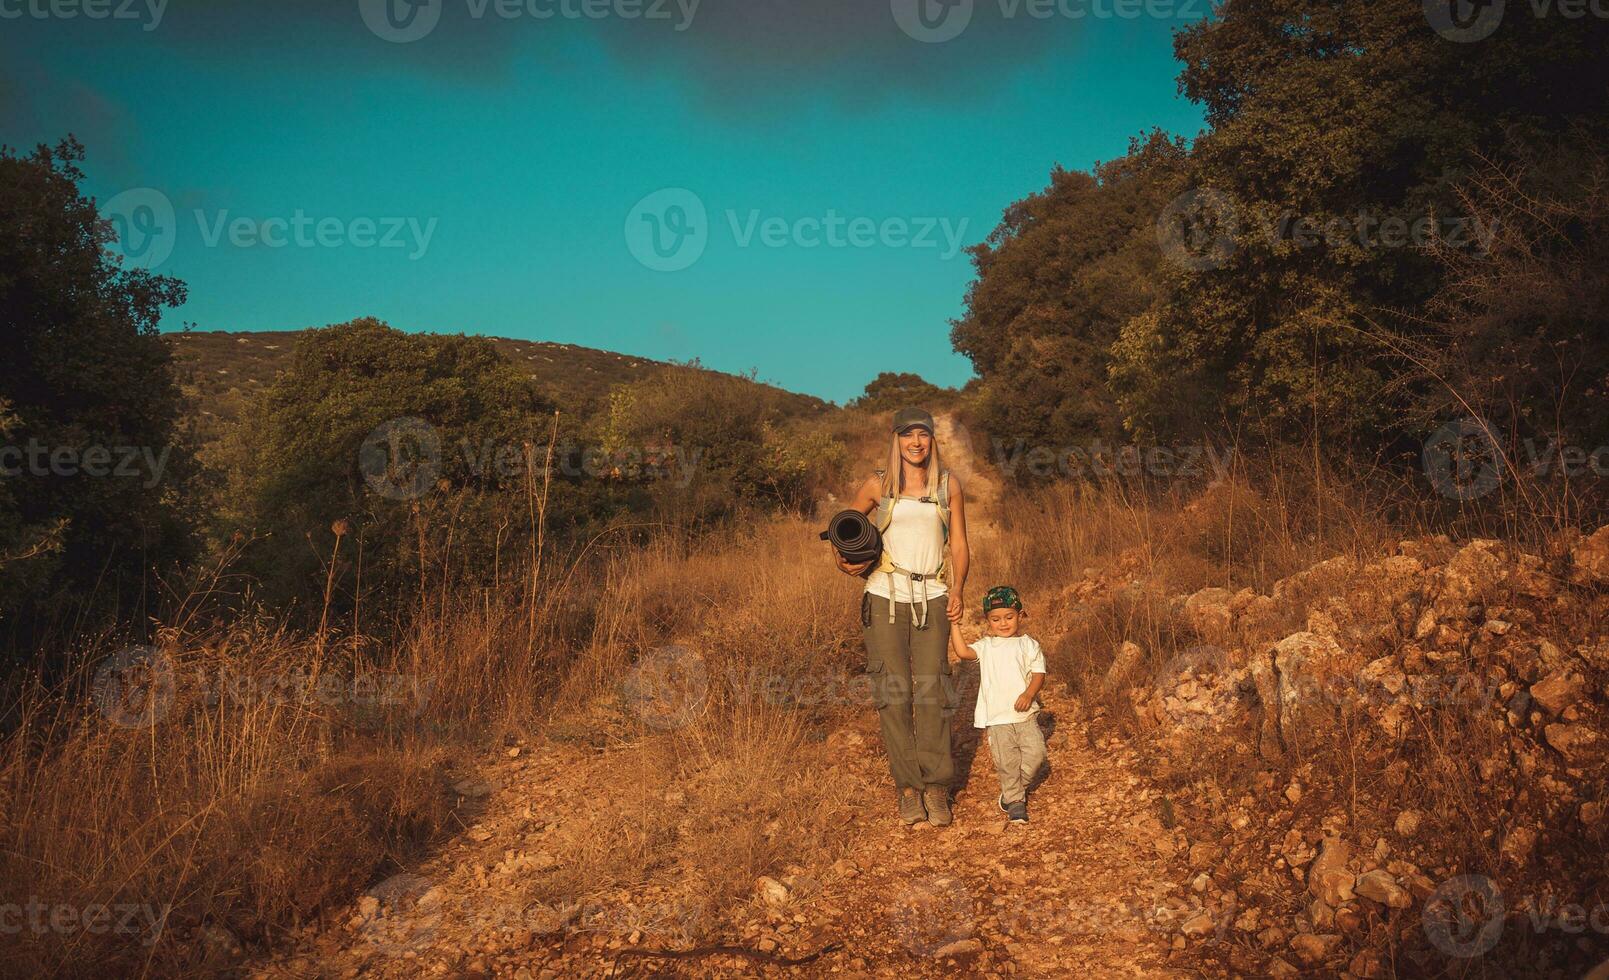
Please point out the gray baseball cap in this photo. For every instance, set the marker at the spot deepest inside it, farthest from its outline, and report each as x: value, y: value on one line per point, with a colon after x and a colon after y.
x: 910, y: 418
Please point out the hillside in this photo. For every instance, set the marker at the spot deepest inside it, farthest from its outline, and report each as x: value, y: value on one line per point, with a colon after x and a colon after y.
x: 221, y: 369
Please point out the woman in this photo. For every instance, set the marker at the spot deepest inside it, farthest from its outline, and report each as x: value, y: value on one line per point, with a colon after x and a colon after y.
x: 907, y: 608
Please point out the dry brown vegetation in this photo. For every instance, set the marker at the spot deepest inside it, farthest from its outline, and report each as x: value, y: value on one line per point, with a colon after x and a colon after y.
x: 240, y: 776
x: 703, y: 674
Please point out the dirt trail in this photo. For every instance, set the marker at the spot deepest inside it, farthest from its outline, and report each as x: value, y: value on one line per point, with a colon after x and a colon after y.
x: 1075, y: 892
x: 1087, y: 889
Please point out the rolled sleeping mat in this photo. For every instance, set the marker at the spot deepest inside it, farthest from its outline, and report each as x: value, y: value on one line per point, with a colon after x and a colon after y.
x: 854, y: 536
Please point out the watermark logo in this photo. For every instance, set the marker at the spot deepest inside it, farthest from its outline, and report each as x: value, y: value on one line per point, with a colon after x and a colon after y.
x: 39, y: 917
x: 145, y: 224
x: 1462, y: 460
x: 414, y: 915
x: 932, y: 21
x: 933, y: 913
x: 1464, y: 21
x: 401, y: 21
x: 1464, y: 916
x: 1197, y: 229
x: 668, y: 230
x: 134, y: 687
x: 401, y: 458
x: 668, y: 687
x: 148, y: 12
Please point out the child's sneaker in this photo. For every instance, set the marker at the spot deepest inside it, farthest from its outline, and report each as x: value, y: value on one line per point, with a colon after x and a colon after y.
x: 910, y: 807
x: 1018, y: 811
x: 1001, y: 800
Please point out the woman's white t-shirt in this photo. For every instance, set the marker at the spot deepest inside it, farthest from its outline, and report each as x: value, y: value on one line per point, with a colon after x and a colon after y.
x: 914, y: 541
x: 1004, y: 663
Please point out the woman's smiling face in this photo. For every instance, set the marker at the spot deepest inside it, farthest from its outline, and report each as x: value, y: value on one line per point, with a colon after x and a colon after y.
x: 915, y: 444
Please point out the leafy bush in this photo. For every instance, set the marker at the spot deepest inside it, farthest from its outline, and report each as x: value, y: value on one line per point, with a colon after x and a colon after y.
x: 418, y: 442
x: 723, y: 442
x: 96, y: 466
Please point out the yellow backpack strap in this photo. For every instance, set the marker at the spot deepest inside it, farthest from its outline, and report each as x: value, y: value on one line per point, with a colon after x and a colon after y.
x: 885, y: 507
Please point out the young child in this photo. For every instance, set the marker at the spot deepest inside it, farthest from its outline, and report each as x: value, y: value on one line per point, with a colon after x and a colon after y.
x: 1011, y: 669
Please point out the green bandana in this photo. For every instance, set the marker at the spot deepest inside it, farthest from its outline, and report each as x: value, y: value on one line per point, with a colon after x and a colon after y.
x: 1001, y: 597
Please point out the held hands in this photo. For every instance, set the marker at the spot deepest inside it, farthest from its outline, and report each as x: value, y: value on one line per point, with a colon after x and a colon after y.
x: 953, y: 610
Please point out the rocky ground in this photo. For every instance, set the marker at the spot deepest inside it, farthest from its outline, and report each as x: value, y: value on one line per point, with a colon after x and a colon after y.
x: 1386, y: 767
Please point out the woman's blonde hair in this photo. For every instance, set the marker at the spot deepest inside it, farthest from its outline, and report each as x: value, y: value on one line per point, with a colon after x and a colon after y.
x: 894, y: 475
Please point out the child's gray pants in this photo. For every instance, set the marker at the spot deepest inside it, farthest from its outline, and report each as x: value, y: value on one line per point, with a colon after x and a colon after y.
x: 1018, y: 750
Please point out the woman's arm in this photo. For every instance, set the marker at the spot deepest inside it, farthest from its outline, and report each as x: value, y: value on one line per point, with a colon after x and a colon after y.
x: 959, y: 556
x: 865, y: 501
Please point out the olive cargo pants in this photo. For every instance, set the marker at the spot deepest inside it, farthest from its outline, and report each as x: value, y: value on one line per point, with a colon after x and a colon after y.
x: 909, y: 674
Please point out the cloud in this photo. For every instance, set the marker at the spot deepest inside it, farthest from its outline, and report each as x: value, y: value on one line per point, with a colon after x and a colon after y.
x: 745, y: 54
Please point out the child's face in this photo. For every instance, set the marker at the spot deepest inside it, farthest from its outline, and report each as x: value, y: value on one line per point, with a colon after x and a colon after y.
x: 1004, y: 621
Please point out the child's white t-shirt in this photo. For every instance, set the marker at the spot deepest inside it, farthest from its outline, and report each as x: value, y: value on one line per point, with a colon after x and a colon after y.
x: 1004, y: 663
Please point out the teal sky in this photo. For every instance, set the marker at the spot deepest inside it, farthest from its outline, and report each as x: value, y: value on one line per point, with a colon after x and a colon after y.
x: 491, y: 176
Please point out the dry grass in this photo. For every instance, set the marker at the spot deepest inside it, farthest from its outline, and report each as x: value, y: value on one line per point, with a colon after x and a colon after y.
x: 282, y: 773
x: 1151, y: 540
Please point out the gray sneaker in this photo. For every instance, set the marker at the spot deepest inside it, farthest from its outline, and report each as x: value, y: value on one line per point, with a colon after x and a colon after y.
x: 910, y: 807
x: 937, y: 799
x: 1018, y: 811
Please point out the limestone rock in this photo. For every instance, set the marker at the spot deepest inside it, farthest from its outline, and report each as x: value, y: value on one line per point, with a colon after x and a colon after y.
x: 1328, y: 878
x: 1559, y: 690
x: 1380, y: 886
x: 1314, y: 948
x: 1580, y: 745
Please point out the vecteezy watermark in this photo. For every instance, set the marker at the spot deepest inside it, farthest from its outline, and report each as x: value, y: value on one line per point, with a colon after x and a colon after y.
x: 117, y: 462
x: 145, y: 227
x: 301, y: 230
x: 937, y: 21
x: 668, y: 230
x: 43, y: 918
x: 1099, y: 460
x: 402, y: 459
x: 1464, y: 461
x: 415, y: 913
x: 1467, y: 915
x: 1197, y: 229
x: 406, y: 21
x: 417, y: 909
x: 668, y: 687
x: 932, y: 913
x: 147, y: 13
x: 1464, y: 21
x: 1201, y: 229
x: 134, y: 687
x: 234, y: 688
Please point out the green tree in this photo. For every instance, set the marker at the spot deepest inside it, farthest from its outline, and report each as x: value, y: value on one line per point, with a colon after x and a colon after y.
x: 723, y: 442
x: 890, y: 391
x: 1055, y: 283
x: 410, y: 439
x: 94, y: 490
x: 1329, y: 122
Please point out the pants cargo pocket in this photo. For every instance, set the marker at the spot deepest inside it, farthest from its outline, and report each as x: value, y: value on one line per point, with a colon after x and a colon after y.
x: 876, y: 684
x: 952, y: 689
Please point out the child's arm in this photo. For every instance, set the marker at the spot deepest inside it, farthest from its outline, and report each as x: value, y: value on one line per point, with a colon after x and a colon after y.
x: 958, y: 645
x: 1036, y: 680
